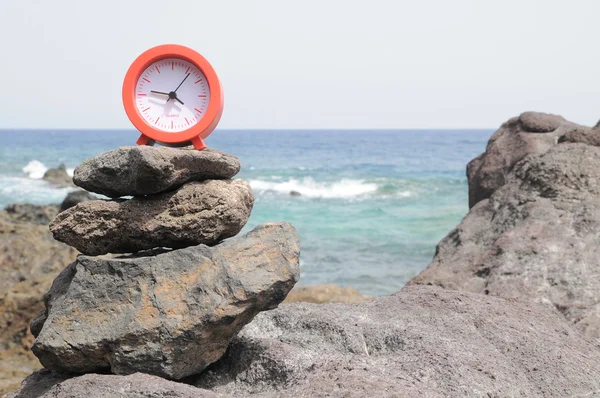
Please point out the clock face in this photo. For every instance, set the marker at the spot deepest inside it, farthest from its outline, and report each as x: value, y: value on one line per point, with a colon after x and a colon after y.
x: 172, y: 95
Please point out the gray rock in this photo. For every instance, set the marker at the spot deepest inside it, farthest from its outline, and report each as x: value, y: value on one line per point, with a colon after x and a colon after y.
x: 146, y: 170
x: 517, y: 138
x: 197, y: 213
x: 169, y: 314
x: 535, y: 238
x: 535, y: 122
x: 421, y: 342
x: 58, y: 176
x: 76, y: 197
x: 47, y: 384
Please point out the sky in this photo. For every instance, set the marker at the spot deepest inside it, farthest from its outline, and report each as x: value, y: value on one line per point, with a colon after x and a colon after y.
x: 311, y: 63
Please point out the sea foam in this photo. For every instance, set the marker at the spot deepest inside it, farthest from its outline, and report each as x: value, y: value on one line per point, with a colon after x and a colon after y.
x: 36, y: 170
x: 308, y: 187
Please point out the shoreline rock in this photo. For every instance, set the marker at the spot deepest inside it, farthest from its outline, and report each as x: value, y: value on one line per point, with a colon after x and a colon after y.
x: 327, y: 293
x: 145, y: 170
x: 203, y: 212
x: 58, y: 176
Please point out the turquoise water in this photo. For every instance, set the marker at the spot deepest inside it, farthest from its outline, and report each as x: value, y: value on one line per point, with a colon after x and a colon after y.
x: 373, y: 204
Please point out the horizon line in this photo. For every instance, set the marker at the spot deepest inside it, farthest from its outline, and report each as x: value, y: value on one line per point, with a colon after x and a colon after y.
x: 256, y: 129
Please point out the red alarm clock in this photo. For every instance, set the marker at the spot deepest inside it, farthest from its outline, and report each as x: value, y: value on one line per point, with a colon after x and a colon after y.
x: 173, y: 96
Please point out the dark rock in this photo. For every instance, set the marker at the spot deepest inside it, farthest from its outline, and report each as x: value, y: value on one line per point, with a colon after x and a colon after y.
x: 29, y: 260
x: 74, y: 198
x: 535, y: 238
x: 58, y: 176
x: 146, y: 170
x: 47, y: 384
x: 28, y: 213
x: 517, y: 138
x: 295, y: 193
x: 421, y: 342
x: 197, y: 213
x: 170, y: 314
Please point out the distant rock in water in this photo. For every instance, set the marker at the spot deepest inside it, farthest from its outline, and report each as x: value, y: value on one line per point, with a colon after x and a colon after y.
x: 146, y: 170
x: 76, y: 197
x: 169, y: 314
x: 58, y: 176
x: 295, y: 193
x: 197, y: 213
x: 529, y: 134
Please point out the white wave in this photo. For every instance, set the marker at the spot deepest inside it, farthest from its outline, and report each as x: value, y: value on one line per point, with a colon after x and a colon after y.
x: 36, y: 191
x: 35, y: 169
x: 345, y: 188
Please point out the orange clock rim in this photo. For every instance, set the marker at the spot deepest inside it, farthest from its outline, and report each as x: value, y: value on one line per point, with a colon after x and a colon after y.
x: 211, y: 117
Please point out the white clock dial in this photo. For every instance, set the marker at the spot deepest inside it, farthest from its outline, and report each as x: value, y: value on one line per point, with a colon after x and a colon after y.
x: 172, y: 95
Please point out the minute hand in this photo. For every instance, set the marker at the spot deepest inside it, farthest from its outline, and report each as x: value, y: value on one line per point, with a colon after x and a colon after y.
x: 186, y: 76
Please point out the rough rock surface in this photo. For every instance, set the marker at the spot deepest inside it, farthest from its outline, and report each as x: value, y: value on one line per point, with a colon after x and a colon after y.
x: 29, y: 261
x: 46, y: 384
x: 421, y: 342
x: 58, y: 176
x: 536, y: 238
x: 146, y: 170
x: 328, y: 293
x: 530, y: 133
x: 197, y: 213
x: 74, y: 198
x: 590, y: 137
x: 170, y: 314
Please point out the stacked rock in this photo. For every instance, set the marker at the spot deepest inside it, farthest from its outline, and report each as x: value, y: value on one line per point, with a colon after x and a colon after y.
x: 171, y: 306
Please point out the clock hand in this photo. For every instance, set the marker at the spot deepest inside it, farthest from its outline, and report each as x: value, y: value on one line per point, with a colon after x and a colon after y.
x: 186, y: 76
x: 169, y: 94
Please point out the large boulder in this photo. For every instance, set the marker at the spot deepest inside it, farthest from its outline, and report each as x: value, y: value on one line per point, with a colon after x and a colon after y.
x: 529, y: 134
x: 46, y: 384
x: 168, y: 314
x: 421, y: 342
x: 58, y: 176
x: 535, y: 238
x: 146, y: 170
x: 29, y: 261
x: 197, y: 213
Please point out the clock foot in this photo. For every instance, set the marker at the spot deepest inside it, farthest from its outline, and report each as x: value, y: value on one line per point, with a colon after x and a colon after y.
x: 143, y: 140
x: 198, y: 143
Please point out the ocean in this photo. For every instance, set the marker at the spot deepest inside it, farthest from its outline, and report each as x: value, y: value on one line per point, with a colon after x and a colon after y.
x: 372, y: 205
